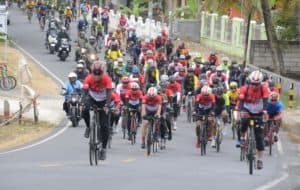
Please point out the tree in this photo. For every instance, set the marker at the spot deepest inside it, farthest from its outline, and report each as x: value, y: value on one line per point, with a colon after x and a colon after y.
x: 137, y: 8
x: 190, y: 10
x: 272, y: 38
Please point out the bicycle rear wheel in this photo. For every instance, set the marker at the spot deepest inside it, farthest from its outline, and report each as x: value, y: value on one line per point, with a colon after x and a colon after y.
x: 149, y: 140
x: 92, y: 147
x: 203, y: 140
x: 251, y: 151
x: 124, y: 125
x: 189, y: 112
x: 133, y: 127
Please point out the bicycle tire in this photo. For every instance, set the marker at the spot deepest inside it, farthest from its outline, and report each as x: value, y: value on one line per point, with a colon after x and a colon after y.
x: 189, y: 112
x: 7, y: 83
x: 149, y: 139
x: 133, y: 129
x: 242, y: 154
x: 203, y: 140
x: 92, y: 146
x: 251, y: 151
x: 124, y: 124
x: 233, y: 125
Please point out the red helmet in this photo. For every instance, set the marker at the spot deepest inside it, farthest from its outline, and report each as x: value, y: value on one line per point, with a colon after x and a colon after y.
x: 152, y: 92
x: 125, y: 80
x: 97, y: 68
x: 256, y: 77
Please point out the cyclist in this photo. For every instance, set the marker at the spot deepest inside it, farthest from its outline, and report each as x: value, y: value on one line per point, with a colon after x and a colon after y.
x: 133, y: 101
x: 204, y: 105
x: 68, y: 15
x: 118, y: 69
x: 151, y: 73
x: 213, y: 59
x: 275, y: 109
x: 115, y: 105
x: 253, y: 100
x: 81, y: 25
x: 175, y: 88
x: 182, y: 50
x: 221, y: 100
x: 174, y: 66
x: 159, y: 42
x: 118, y: 35
x: 169, y: 48
x: 244, y: 76
x: 123, y: 88
x: 225, y: 66
x: 136, y: 76
x: 98, y: 87
x: 234, y: 74
x: 190, y: 84
x: 151, y: 106
x: 219, y: 75
x: 272, y: 86
x: 180, y: 75
x: 95, y: 12
x: 71, y: 86
x: 128, y: 68
x: 205, y: 67
x: 80, y: 71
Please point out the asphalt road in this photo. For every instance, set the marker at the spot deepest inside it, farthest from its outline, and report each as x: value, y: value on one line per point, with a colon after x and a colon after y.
x: 62, y: 163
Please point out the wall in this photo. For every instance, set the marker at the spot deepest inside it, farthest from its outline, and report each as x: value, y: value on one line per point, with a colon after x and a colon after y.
x: 260, y: 55
x: 188, y: 29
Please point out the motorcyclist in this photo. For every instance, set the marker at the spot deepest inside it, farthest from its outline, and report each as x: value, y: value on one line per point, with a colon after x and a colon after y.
x: 81, y: 43
x: 70, y: 87
x: 81, y: 71
x: 62, y: 34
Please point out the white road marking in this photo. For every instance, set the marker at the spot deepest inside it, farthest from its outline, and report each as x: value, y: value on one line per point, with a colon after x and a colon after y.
x: 128, y: 160
x: 39, y: 142
x: 58, y: 132
x: 279, y: 146
x: 274, y: 182
x: 51, y: 165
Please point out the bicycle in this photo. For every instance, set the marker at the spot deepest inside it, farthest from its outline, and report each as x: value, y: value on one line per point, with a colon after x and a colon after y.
x: 95, y: 136
x: 270, y: 134
x: 202, y: 132
x: 233, y: 123
x: 250, y: 143
x: 219, y: 134
x: 189, y: 107
x: 152, y: 135
x: 109, y: 142
x: 133, y: 125
x: 7, y: 82
x: 124, y: 121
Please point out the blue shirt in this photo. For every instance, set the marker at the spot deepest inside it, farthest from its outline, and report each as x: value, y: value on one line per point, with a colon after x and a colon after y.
x: 71, y: 88
x: 274, y: 109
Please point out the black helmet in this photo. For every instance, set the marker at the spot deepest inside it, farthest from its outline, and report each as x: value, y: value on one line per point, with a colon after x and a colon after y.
x: 271, y: 83
x: 215, y: 80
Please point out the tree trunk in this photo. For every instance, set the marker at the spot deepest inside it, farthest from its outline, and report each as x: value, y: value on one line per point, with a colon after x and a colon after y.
x: 298, y: 17
x: 247, y: 38
x: 272, y: 39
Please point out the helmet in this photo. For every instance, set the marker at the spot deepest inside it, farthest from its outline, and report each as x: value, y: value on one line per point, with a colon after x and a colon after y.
x: 79, y: 66
x: 151, y: 63
x: 63, y: 29
x: 182, y: 57
x: 206, y: 90
x: 163, y: 84
x: 152, y: 92
x: 190, y: 70
x: 134, y: 86
x: 81, y: 61
x: 135, y: 70
x: 92, y: 38
x: 219, y: 69
x: 274, y: 96
x: 206, y: 63
x: 247, y: 70
x: 225, y: 59
x: 72, y: 75
x: 110, y: 33
x: 256, y: 77
x: 164, y: 78
x: 271, y: 83
x: 172, y: 79
x: 233, y: 62
x: 233, y: 85
x: 97, y: 68
x: 129, y: 61
x: 120, y: 59
x: 175, y: 59
x: 68, y: 7
x: 235, y: 65
x: 95, y: 20
x: 125, y: 80
x: 219, y: 90
x: 213, y: 53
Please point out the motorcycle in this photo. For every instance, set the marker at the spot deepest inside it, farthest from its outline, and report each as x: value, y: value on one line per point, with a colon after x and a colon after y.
x: 52, y: 41
x: 74, y: 109
x: 64, y: 49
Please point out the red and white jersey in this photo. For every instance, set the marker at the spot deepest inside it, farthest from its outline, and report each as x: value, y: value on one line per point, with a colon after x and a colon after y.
x: 121, y: 90
x: 152, y: 103
x: 134, y: 98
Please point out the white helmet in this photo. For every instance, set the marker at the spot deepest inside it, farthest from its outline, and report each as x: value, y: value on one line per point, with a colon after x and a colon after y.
x: 120, y: 59
x: 256, y: 77
x: 164, y: 78
x: 225, y: 59
x: 182, y: 57
x: 72, y: 75
x: 206, y: 90
x: 152, y: 92
x: 79, y: 65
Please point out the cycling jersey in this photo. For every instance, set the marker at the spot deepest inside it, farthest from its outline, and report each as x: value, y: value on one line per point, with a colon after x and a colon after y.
x: 122, y: 91
x: 274, y: 109
x: 152, y: 103
x: 190, y: 83
x: 114, y: 54
x: 133, y: 99
x: 97, y: 89
x: 179, y: 76
x: 205, y: 102
x: 233, y: 96
x: 175, y: 87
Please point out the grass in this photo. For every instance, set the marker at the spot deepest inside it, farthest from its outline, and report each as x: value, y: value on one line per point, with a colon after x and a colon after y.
x: 13, y: 134
x: 41, y: 82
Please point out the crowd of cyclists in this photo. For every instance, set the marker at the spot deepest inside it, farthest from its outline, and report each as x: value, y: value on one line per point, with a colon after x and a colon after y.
x: 155, y: 77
